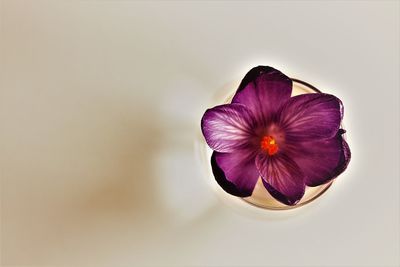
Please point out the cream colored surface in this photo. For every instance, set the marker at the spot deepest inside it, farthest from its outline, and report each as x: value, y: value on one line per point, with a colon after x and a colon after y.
x: 100, y: 103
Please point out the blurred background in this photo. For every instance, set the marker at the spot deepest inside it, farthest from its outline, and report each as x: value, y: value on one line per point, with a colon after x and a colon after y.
x: 101, y: 156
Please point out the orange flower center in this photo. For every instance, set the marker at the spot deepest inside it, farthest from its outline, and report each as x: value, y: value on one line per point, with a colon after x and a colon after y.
x: 269, y: 145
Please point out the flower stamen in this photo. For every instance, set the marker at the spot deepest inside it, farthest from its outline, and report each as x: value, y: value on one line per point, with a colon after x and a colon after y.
x: 269, y: 145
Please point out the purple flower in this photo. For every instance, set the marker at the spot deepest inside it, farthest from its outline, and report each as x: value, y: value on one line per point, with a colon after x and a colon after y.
x: 290, y: 142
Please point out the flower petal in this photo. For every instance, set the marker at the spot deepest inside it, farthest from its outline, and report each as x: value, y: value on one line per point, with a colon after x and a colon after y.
x: 263, y: 90
x: 311, y: 116
x: 282, y: 177
x: 321, y: 160
x: 227, y: 127
x: 235, y: 172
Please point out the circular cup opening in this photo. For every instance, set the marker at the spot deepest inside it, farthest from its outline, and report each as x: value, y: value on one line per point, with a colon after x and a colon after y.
x: 261, y: 197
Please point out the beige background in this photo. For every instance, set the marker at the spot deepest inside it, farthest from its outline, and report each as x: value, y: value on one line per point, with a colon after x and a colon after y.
x: 100, y: 151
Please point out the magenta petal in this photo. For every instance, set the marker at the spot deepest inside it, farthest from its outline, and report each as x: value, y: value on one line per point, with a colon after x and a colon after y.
x: 282, y: 177
x: 227, y: 127
x: 263, y: 90
x: 321, y: 160
x: 235, y: 172
x: 311, y: 116
x: 346, y: 157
